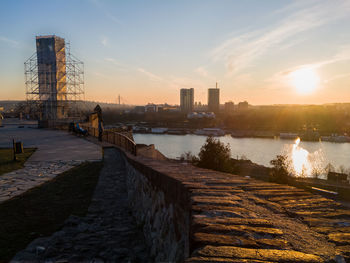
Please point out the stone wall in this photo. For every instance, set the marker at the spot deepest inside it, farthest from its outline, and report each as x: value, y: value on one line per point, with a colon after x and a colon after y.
x: 150, y: 151
x: 200, y: 215
x: 156, y: 207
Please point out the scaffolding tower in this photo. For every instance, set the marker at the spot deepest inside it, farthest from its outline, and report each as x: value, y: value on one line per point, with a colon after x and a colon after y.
x: 54, y: 79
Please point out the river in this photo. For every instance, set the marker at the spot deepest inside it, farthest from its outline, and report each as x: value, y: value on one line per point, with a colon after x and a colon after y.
x: 260, y: 151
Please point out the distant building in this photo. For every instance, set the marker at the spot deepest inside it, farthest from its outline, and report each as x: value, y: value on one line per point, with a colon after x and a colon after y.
x: 167, y: 108
x: 214, y: 99
x: 243, y: 105
x: 139, y: 109
x: 151, y: 108
x: 200, y: 107
x: 186, y: 100
x: 201, y: 115
x: 229, y: 107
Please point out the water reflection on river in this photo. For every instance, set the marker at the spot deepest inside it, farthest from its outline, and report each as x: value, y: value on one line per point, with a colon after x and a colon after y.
x: 258, y: 150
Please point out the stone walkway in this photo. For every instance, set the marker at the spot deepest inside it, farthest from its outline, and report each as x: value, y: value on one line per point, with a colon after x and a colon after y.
x: 107, y: 233
x: 33, y: 174
x: 57, y: 152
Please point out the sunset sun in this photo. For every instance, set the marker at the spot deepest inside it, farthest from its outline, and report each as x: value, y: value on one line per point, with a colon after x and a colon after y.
x: 304, y: 80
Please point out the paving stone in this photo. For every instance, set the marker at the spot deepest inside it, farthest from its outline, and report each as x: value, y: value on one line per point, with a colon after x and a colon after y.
x: 223, y: 260
x: 241, y: 229
x: 258, y: 254
x: 201, y: 239
x: 339, y: 213
x: 333, y: 229
x: 319, y: 222
x: 15, y: 183
x: 344, y: 250
x: 340, y: 238
x: 202, y: 220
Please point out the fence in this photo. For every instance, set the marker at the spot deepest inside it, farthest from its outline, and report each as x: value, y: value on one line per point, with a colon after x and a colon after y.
x: 115, y: 138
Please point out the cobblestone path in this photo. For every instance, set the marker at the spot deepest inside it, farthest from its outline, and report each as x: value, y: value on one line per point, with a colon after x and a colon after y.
x: 108, y: 233
x: 33, y: 174
x: 57, y: 152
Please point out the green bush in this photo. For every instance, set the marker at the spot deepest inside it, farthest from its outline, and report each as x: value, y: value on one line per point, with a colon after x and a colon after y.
x: 215, y: 155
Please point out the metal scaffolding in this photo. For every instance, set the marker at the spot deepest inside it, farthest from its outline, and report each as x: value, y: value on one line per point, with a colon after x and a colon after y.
x: 55, y: 87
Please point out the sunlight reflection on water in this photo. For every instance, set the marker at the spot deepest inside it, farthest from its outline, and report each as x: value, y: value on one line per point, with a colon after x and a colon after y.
x: 302, y: 163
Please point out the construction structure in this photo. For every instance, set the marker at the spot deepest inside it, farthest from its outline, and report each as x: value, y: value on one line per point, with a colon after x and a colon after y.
x: 54, y: 79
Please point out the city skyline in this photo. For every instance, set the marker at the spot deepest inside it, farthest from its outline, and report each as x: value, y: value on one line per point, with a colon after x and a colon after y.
x: 292, y: 52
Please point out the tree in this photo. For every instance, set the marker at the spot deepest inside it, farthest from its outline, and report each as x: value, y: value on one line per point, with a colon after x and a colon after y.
x: 279, y: 172
x: 215, y: 155
x: 329, y: 168
x: 189, y: 157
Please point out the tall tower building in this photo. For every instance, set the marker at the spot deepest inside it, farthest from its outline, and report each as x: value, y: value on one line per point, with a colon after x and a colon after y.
x: 186, y: 100
x: 52, y: 88
x: 214, y: 99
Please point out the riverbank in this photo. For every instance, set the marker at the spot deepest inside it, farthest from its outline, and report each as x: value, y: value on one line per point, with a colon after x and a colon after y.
x: 218, y: 132
x: 259, y: 150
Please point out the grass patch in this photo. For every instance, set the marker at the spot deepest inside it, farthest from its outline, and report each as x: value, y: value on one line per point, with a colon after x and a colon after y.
x: 7, y: 164
x: 42, y: 210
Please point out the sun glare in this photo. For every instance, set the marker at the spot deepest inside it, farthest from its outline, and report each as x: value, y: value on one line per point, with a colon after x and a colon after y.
x: 300, y: 160
x: 305, y: 80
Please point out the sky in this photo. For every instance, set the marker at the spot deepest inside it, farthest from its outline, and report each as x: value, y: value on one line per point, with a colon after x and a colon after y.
x: 264, y: 52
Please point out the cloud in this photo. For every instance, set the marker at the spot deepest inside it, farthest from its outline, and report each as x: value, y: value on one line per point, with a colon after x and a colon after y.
x: 106, y: 12
x: 105, y: 41
x: 113, y: 61
x: 340, y: 76
x: 342, y: 55
x: 202, y: 71
x: 101, y: 75
x: 150, y: 75
x: 283, y: 76
x: 174, y: 82
x: 11, y: 42
x: 118, y: 65
x: 241, y: 51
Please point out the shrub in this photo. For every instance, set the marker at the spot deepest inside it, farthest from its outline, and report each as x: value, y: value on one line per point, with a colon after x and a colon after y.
x: 189, y: 157
x: 215, y: 155
x: 279, y: 172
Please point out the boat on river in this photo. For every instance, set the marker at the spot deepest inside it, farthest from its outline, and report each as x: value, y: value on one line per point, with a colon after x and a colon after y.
x: 288, y: 135
x: 210, y: 132
x: 336, y: 138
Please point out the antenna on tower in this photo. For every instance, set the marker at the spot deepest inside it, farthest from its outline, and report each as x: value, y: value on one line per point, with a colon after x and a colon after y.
x: 216, y: 85
x: 119, y: 99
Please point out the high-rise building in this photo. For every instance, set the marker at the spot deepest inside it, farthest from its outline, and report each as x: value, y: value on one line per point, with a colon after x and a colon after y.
x: 214, y: 99
x: 243, y: 105
x: 186, y: 100
x: 229, y: 107
x: 52, y: 88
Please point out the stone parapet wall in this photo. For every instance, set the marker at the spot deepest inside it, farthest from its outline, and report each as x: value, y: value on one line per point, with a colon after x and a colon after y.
x: 207, y: 216
x: 150, y: 151
x: 163, y: 217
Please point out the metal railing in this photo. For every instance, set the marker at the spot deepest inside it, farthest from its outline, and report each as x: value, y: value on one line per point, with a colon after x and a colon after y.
x: 115, y: 138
